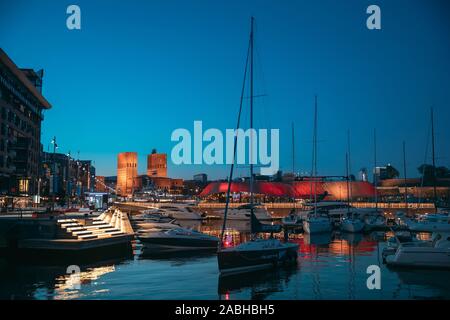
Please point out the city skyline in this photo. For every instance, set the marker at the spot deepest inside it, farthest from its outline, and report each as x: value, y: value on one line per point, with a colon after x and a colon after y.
x: 127, y: 79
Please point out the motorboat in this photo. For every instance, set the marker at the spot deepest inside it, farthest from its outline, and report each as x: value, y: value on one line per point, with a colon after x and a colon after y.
x: 177, y: 211
x: 399, y: 237
x: 150, y: 215
x: 156, y: 225
x: 177, y: 239
x: 434, y: 222
x: 425, y: 254
x: 243, y: 212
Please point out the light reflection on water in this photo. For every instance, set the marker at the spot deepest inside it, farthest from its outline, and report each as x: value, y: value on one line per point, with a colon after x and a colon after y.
x: 330, y: 266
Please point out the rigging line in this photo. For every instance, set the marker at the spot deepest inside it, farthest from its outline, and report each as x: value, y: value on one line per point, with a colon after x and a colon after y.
x: 234, y: 150
x: 375, y: 179
x: 265, y: 110
x: 349, y: 163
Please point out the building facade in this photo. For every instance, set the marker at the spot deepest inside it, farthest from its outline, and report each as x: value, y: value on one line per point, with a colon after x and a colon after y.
x: 127, y: 175
x: 157, y: 165
x: 63, y: 176
x: 201, y: 178
x: 21, y: 114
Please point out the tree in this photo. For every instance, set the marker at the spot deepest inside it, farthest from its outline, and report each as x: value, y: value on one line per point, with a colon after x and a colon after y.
x: 391, y: 172
x: 428, y: 172
x: 442, y: 172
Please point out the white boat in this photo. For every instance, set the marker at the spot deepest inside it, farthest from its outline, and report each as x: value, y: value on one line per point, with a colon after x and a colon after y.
x: 434, y: 254
x: 316, y: 224
x: 243, y: 212
x: 177, y: 239
x: 337, y: 210
x: 145, y: 226
x: 375, y: 221
x: 434, y: 222
x: 394, y: 242
x: 177, y: 211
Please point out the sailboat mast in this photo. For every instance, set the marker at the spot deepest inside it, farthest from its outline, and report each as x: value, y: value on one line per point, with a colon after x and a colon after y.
x: 348, y: 184
x: 434, y: 161
x: 315, y: 156
x: 375, y: 180
x: 251, y: 115
x: 293, y: 150
x: 230, y: 179
x: 349, y: 163
x: 404, y: 176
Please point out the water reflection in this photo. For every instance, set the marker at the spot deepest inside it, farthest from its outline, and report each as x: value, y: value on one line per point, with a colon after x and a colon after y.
x: 260, y: 284
x: 22, y: 279
x: 330, y: 266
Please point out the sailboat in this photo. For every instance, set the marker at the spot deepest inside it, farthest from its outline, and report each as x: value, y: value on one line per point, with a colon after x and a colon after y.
x: 255, y: 254
x: 316, y: 222
x: 436, y: 221
x: 352, y: 222
x: 375, y: 220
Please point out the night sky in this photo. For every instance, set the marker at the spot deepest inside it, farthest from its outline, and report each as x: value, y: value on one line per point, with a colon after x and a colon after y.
x: 137, y: 70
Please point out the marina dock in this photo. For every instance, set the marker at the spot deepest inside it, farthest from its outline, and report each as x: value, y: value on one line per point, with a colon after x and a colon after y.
x: 66, y: 234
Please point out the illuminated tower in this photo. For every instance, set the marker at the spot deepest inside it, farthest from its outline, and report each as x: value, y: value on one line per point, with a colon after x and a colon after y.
x: 126, y: 173
x: 157, y: 164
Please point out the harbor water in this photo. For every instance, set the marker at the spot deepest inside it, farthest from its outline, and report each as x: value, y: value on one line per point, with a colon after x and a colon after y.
x: 330, y: 266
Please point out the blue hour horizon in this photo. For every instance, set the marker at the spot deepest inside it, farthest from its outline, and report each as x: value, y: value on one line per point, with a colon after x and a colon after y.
x: 129, y: 78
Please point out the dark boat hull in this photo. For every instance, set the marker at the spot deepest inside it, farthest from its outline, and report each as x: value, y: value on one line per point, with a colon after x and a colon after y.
x: 239, y: 261
x: 176, y: 244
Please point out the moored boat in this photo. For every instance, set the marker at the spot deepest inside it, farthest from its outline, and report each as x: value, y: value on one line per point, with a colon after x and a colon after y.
x: 255, y: 254
x: 424, y: 254
x: 177, y: 239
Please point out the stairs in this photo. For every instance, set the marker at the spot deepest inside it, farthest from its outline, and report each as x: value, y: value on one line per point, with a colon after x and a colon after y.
x: 108, y: 224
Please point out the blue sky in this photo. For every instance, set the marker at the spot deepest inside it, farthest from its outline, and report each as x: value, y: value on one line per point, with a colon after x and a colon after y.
x: 137, y: 70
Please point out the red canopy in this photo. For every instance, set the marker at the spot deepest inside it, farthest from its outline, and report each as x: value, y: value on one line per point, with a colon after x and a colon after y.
x: 334, y: 190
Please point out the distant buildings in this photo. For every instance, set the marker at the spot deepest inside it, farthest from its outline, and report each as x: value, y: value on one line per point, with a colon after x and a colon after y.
x: 201, y: 177
x: 63, y: 176
x: 126, y: 173
x: 363, y: 176
x: 21, y: 106
x: 128, y: 180
x: 379, y: 173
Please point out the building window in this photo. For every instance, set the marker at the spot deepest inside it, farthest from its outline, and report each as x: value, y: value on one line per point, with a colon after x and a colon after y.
x: 23, y: 186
